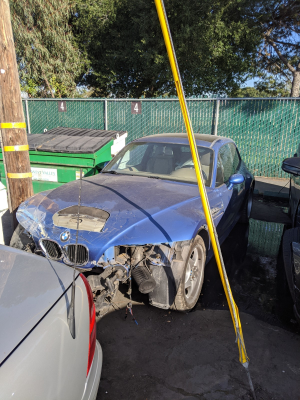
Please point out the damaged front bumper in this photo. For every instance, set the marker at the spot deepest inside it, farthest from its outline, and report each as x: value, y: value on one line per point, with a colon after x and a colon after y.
x: 156, y: 268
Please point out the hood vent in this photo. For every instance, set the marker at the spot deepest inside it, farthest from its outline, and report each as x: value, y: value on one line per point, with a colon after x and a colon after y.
x: 90, y: 218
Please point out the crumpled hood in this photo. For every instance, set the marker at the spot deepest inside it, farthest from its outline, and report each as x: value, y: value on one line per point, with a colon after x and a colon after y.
x: 142, y: 210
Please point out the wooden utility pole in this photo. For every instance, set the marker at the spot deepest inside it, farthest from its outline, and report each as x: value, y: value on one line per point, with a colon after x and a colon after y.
x: 12, y: 122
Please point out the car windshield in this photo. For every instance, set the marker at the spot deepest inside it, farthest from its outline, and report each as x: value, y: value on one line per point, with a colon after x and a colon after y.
x: 161, y: 160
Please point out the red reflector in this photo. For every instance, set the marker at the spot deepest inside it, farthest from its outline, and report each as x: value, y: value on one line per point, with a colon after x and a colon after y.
x: 92, y: 314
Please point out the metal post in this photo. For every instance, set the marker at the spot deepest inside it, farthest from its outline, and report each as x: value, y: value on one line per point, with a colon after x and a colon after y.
x: 105, y: 115
x: 201, y: 185
x: 27, y: 118
x: 216, y: 121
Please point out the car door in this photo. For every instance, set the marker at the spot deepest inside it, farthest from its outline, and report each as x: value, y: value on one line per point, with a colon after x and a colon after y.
x: 229, y: 163
x: 295, y: 196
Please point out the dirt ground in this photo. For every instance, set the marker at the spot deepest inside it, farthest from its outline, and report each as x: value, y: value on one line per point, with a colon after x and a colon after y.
x: 172, y: 355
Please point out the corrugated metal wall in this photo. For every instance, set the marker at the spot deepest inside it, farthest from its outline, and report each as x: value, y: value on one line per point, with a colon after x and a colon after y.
x: 265, y: 130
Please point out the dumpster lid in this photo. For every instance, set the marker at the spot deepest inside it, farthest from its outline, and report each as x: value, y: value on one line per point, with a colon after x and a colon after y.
x: 66, y: 144
x: 85, y: 132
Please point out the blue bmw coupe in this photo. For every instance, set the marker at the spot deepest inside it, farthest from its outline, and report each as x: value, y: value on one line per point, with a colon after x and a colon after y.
x: 142, y: 217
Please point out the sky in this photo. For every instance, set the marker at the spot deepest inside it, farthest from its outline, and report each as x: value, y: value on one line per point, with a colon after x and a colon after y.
x: 250, y: 82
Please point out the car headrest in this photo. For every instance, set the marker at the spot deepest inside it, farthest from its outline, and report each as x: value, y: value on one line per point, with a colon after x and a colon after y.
x: 159, y: 151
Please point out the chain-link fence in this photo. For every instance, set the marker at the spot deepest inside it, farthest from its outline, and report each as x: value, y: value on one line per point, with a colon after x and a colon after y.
x: 264, y: 238
x: 265, y: 130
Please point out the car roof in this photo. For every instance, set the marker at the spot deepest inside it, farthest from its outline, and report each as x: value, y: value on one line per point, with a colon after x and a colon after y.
x: 181, y: 138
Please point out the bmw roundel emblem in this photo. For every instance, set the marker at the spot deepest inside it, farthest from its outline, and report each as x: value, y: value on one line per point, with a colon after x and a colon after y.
x: 65, y: 236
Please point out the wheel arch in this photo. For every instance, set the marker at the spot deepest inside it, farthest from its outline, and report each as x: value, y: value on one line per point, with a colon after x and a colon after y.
x: 169, y: 278
x: 203, y: 233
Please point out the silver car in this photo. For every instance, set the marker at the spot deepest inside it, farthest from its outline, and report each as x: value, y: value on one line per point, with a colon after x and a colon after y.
x: 39, y: 358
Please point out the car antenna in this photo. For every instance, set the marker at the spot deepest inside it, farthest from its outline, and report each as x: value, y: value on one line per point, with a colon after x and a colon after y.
x: 71, y: 311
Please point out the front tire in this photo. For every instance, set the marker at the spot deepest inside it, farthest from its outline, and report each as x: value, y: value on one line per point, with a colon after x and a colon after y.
x: 194, y: 256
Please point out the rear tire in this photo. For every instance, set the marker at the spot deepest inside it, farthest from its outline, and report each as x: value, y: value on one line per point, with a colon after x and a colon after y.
x: 194, y: 256
x: 246, y: 212
x: 22, y: 241
x: 296, y: 219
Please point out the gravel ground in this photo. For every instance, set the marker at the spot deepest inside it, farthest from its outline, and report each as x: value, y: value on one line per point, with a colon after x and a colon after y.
x: 177, y: 356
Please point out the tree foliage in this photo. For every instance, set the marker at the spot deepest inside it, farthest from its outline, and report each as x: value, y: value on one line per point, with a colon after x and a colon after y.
x: 267, y: 86
x: 214, y: 42
x: 116, y: 48
x: 48, y: 58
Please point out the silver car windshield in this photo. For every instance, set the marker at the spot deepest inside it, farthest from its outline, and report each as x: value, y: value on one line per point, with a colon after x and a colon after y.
x: 163, y: 161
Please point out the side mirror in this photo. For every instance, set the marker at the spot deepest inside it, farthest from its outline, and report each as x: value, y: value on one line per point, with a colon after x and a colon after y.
x: 235, y: 179
x: 291, y: 165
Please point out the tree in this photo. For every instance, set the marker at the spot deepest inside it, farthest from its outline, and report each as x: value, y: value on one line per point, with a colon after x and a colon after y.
x: 266, y: 87
x: 89, y: 22
x: 48, y: 58
x: 215, y: 45
x: 279, y: 53
x: 248, y: 91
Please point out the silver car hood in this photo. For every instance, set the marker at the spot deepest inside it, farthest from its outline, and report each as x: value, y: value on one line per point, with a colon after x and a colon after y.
x: 29, y: 286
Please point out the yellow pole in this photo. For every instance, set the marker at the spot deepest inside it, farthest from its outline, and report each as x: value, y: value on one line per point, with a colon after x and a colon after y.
x: 211, y: 227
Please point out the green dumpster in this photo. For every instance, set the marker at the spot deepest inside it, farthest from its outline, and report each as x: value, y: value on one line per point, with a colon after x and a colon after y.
x: 56, y: 156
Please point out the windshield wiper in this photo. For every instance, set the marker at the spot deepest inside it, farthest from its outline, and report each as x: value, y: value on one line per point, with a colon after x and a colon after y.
x: 154, y: 177
x: 116, y: 173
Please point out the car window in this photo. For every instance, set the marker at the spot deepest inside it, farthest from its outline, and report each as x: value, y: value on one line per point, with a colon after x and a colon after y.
x: 228, y: 163
x: 132, y: 158
x: 162, y: 160
x: 220, y: 175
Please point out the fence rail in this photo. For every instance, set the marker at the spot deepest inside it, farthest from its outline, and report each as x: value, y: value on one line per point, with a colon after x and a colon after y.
x: 265, y: 130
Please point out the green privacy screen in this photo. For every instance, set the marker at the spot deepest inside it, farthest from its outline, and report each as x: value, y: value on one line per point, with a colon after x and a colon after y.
x: 265, y: 130
x: 45, y: 114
